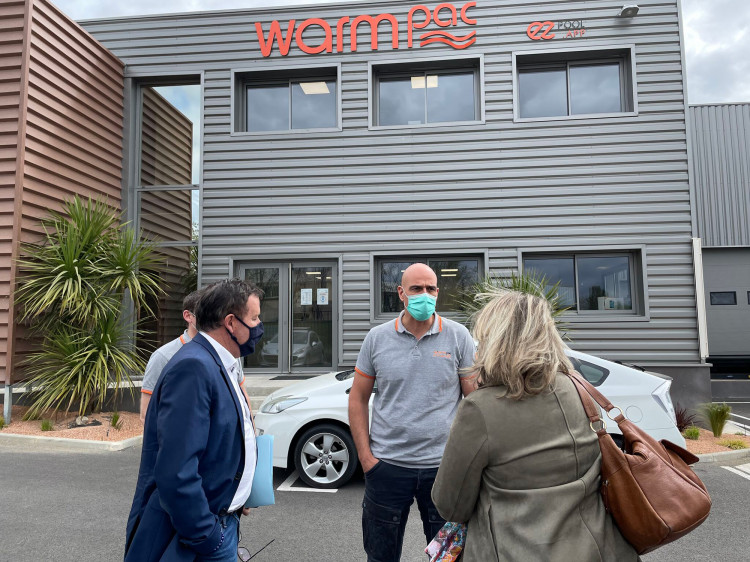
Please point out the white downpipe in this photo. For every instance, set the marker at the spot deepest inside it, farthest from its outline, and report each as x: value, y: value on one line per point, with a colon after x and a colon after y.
x: 7, y: 402
x: 700, y: 297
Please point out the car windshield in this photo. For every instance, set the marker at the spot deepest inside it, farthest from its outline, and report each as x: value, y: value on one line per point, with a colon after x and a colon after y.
x: 300, y: 337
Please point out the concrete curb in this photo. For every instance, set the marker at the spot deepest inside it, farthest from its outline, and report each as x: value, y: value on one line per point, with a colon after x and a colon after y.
x: 727, y: 456
x: 68, y: 444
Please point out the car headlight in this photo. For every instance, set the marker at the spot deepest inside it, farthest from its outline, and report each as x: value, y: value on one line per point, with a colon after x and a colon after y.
x: 663, y: 398
x: 280, y: 404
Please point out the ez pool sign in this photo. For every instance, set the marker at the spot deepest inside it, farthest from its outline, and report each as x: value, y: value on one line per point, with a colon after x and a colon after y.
x: 543, y: 30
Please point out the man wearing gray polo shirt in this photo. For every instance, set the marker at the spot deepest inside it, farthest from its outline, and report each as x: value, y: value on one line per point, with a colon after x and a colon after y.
x: 416, y: 360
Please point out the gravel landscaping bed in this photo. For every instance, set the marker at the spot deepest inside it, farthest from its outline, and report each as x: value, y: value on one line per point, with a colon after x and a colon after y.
x: 130, y: 426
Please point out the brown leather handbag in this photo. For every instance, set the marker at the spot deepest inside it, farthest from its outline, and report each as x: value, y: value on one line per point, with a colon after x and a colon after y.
x: 653, y: 495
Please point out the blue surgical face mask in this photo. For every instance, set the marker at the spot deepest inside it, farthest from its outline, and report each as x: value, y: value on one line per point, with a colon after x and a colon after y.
x: 421, y: 306
x: 256, y: 332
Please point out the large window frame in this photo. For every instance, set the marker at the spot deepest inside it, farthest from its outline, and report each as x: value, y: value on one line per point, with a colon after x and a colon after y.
x: 637, y: 272
x: 441, y: 66
x: 242, y: 79
x: 546, y: 59
x: 137, y: 190
x: 377, y: 258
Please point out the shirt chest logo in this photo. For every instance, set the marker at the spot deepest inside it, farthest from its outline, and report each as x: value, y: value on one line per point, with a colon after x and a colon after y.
x: 441, y: 354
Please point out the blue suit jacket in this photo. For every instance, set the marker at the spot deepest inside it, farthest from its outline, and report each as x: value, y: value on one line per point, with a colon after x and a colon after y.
x: 192, y: 459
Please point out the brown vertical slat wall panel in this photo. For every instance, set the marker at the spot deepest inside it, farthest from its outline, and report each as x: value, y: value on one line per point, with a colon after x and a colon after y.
x: 73, y: 137
x: 11, y: 57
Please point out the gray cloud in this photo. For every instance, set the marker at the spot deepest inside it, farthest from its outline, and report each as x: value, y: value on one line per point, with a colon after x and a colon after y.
x: 717, y: 48
x: 717, y: 37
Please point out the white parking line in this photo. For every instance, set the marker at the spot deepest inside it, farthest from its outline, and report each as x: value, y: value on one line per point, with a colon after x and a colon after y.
x: 742, y: 470
x: 286, y: 486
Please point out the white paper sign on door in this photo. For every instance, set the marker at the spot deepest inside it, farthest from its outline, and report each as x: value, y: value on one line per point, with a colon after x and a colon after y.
x: 305, y: 297
x: 322, y: 296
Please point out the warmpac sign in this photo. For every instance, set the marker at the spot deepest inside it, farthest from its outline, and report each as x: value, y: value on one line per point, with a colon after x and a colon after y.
x: 543, y: 30
x: 419, y: 17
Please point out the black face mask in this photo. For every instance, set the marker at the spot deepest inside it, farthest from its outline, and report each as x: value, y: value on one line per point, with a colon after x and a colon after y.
x: 248, y: 348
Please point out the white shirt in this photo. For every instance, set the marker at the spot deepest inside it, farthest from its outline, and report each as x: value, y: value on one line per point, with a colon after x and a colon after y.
x: 246, y: 482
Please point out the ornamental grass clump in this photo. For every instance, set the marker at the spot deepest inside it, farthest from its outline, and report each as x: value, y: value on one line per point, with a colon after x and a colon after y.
x: 2, y: 422
x: 116, y: 422
x: 717, y: 416
x: 47, y: 425
x: 76, y: 288
x: 735, y: 444
x: 691, y: 432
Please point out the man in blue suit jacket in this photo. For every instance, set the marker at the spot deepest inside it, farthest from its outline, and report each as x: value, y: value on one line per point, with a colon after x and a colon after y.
x: 199, y: 454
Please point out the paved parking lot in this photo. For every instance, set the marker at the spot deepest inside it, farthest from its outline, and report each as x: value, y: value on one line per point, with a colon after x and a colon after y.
x: 73, y: 506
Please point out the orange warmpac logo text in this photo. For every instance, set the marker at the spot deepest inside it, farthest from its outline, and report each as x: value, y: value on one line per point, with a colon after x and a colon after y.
x: 419, y: 17
x: 443, y: 354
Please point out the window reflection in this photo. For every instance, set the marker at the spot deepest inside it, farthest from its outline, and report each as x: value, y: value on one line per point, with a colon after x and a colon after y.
x: 543, y: 93
x: 450, y: 97
x: 427, y: 97
x: 604, y: 283
x: 595, y: 89
x: 454, y: 276
x: 314, y: 104
x: 553, y: 270
x: 177, y: 278
x: 169, y: 135
x: 268, y: 108
x: 399, y: 103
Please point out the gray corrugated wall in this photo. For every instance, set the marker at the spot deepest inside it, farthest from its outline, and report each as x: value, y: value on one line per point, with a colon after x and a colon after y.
x: 495, y: 187
x: 721, y: 172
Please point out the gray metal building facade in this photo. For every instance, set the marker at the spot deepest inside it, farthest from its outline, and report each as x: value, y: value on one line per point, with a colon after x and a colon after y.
x: 720, y: 140
x: 499, y: 188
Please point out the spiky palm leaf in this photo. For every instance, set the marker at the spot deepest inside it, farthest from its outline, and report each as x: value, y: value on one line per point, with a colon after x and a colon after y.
x: 479, y: 294
x: 76, y: 366
x: 72, y: 288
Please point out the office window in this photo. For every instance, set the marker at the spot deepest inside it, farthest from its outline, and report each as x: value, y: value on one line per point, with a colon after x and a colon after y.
x: 409, y: 95
x: 724, y: 298
x: 591, y: 283
x: 280, y: 101
x: 570, y: 84
x: 455, y: 274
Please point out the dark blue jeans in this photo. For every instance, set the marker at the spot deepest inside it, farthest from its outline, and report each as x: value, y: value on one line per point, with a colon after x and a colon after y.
x: 389, y: 492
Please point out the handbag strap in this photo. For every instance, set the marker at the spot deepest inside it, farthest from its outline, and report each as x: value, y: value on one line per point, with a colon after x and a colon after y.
x: 587, y: 391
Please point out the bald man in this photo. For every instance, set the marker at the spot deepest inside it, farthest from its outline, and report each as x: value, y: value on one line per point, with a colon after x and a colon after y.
x: 418, y: 361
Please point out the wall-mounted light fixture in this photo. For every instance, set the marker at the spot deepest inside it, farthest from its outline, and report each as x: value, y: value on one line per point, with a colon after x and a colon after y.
x: 628, y: 11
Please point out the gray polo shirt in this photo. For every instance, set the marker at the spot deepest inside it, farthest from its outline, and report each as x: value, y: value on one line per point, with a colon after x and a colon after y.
x: 418, y: 388
x: 161, y: 357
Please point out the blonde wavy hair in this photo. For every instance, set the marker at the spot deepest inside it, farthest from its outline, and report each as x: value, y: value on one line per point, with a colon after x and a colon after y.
x: 519, y: 345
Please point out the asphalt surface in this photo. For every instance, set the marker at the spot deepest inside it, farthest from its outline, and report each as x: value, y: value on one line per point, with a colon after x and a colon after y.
x: 73, y: 506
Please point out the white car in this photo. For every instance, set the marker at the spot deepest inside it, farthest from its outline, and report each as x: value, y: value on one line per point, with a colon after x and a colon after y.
x: 310, y: 423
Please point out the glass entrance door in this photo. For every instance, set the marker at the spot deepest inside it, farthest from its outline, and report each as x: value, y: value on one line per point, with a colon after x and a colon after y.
x: 312, y: 316
x: 299, y: 316
x: 269, y: 279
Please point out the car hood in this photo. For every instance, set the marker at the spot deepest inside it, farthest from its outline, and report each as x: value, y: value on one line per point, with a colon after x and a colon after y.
x: 313, y: 386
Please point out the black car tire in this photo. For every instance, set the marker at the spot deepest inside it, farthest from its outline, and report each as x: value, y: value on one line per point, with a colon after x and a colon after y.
x: 310, y: 449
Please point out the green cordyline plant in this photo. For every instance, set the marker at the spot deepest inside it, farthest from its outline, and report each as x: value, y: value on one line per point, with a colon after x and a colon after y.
x: 72, y: 291
x: 479, y: 294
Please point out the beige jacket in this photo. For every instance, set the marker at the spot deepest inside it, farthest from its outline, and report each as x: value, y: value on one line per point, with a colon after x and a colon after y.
x: 525, y: 476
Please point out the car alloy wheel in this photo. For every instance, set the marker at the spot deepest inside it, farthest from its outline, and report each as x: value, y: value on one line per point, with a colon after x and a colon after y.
x: 325, y: 456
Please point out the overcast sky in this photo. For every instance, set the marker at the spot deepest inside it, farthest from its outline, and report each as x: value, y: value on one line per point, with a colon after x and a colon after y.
x: 717, y: 37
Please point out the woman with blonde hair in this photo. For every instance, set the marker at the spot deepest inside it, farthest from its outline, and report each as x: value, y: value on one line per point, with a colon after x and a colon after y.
x: 521, y: 466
